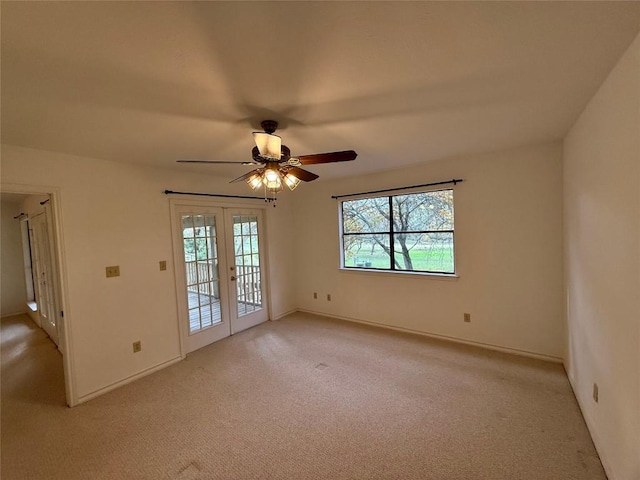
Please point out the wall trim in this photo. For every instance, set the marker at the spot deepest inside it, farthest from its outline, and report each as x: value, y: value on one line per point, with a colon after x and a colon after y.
x: 126, y: 380
x: 488, y: 346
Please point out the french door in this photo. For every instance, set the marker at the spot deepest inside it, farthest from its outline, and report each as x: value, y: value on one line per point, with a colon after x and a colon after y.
x: 219, y: 261
x: 45, y: 293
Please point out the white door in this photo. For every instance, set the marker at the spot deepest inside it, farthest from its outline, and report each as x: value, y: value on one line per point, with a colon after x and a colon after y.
x: 245, y: 258
x: 45, y: 293
x: 203, y: 304
x: 220, y: 292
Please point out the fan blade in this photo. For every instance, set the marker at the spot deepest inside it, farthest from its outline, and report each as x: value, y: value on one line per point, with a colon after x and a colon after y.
x: 217, y: 161
x: 301, y: 174
x: 245, y: 176
x: 344, y: 156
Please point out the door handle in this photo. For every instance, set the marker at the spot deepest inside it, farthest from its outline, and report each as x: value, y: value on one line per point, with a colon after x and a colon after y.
x: 233, y: 278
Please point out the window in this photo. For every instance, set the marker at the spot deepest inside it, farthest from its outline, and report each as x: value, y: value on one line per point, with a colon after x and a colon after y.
x: 408, y: 233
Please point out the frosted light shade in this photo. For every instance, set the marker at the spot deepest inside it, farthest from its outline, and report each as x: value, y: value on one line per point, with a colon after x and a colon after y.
x: 272, y: 180
x: 291, y: 181
x: 269, y: 146
x: 255, y: 180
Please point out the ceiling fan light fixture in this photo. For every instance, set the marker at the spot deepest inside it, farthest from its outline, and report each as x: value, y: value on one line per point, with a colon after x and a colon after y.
x: 269, y: 145
x: 255, y: 180
x: 291, y: 181
x: 272, y: 180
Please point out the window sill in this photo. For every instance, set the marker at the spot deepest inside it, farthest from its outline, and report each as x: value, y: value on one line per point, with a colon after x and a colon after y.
x: 447, y: 277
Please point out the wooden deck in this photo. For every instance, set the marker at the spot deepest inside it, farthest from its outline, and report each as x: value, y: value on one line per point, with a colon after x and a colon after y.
x: 206, y: 309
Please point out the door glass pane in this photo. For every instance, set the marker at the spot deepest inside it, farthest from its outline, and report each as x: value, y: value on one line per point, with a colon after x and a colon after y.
x: 247, y: 264
x: 201, y: 270
x: 207, y: 315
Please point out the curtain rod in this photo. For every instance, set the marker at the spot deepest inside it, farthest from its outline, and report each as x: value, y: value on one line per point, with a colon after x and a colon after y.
x: 267, y: 199
x: 454, y: 181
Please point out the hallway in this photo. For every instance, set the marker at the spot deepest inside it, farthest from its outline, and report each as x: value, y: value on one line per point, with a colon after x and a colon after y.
x: 28, y: 357
x: 32, y: 383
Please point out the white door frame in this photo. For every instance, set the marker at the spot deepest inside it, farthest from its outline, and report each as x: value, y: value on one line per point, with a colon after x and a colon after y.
x: 178, y: 252
x: 63, y: 312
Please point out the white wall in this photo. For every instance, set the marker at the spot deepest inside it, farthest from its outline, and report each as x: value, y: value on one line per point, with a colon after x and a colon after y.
x: 117, y: 214
x: 602, y: 262
x: 508, y: 221
x: 13, y: 295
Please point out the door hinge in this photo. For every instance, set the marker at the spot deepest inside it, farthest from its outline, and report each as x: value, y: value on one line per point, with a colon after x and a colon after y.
x: 61, y: 314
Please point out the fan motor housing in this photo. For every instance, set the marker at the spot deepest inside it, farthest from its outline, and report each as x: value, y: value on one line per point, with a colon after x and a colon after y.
x: 269, y: 126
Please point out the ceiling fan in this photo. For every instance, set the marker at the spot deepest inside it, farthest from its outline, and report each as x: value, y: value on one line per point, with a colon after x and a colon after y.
x: 276, y: 165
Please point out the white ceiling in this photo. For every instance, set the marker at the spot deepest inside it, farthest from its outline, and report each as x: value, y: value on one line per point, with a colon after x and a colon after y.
x: 400, y: 82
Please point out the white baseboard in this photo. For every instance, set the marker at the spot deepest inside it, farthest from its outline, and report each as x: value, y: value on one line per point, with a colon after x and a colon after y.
x: 13, y: 314
x: 120, y: 383
x: 282, y: 315
x: 489, y: 346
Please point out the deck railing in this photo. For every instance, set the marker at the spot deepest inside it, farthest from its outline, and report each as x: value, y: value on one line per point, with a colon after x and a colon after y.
x: 204, y: 275
x: 248, y: 284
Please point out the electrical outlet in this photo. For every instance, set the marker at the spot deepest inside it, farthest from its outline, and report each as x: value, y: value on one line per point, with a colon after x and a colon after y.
x: 137, y: 346
x: 328, y: 297
x: 113, y: 271
x: 595, y: 392
x: 467, y: 317
x: 315, y: 295
x: 163, y: 265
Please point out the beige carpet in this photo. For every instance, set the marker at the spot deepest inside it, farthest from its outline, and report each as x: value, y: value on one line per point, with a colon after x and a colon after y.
x: 301, y: 398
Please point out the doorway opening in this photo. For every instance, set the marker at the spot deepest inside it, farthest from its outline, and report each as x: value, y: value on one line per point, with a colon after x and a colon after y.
x: 43, y: 284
